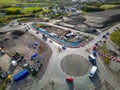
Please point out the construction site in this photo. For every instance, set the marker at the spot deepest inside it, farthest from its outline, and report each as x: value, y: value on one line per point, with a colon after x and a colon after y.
x: 22, y: 51
x: 68, y: 36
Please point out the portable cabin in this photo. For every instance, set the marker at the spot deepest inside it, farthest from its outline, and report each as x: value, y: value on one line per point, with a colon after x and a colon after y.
x: 20, y: 75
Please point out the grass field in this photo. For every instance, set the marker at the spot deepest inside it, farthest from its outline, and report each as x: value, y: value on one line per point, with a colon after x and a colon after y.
x: 7, y: 1
x: 106, y: 7
x: 115, y: 37
x: 13, y: 9
x: 104, y: 50
x: 31, y: 9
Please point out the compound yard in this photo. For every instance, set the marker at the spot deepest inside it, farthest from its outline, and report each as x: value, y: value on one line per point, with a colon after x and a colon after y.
x: 19, y: 44
x: 65, y: 35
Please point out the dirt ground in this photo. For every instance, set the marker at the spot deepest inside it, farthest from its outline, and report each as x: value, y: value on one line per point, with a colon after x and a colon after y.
x: 97, y: 20
x: 4, y: 62
x: 75, y: 20
x: 23, y: 45
x: 75, y: 65
x: 61, y: 34
x: 51, y: 29
x: 103, y: 19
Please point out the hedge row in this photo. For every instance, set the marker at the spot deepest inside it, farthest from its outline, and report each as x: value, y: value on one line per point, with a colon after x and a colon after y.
x: 6, y: 19
x: 16, y: 10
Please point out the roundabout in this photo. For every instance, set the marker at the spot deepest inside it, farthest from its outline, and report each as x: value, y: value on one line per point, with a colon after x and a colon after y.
x: 75, y: 65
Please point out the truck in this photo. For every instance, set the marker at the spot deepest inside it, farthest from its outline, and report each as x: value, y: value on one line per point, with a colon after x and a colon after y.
x: 92, y: 59
x: 92, y: 71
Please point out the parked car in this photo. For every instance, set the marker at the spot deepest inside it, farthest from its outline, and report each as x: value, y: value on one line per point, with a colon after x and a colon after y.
x: 69, y: 79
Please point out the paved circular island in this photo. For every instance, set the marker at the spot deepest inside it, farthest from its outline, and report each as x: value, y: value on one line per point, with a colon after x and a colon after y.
x: 75, y: 65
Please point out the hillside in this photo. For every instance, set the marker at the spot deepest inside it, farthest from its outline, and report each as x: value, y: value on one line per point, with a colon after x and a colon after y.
x: 7, y: 1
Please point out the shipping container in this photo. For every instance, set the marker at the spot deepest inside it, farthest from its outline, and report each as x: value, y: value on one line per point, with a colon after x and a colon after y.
x: 21, y: 75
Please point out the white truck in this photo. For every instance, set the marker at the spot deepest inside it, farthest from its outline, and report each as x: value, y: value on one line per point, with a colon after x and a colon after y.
x: 92, y: 71
x: 92, y: 59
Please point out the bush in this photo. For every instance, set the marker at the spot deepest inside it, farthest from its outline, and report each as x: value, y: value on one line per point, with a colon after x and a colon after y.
x: 106, y: 7
x: 5, y: 20
x: 92, y: 9
x: 12, y: 10
x: 32, y: 10
x: 106, y: 60
x: 103, y: 49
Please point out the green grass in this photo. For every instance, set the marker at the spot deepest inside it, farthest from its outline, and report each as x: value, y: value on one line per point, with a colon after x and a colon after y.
x: 115, y: 37
x: 106, y: 60
x: 37, y: 3
x: 106, y: 7
x: 103, y: 48
x: 31, y: 9
x: 13, y: 9
x: 7, y: 1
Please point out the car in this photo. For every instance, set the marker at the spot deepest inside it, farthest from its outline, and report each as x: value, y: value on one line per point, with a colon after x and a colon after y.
x: 63, y: 47
x: 104, y: 36
x: 27, y: 30
x: 117, y: 27
x: 69, y: 79
x: 2, y: 52
x: 37, y: 32
x: 96, y: 44
x: 107, y: 33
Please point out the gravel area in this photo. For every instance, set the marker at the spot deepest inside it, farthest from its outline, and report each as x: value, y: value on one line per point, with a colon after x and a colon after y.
x: 103, y: 19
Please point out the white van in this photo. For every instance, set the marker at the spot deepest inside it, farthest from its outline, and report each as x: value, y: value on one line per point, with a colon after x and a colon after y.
x: 92, y: 71
x: 91, y: 56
